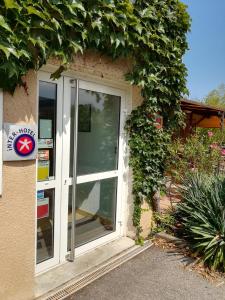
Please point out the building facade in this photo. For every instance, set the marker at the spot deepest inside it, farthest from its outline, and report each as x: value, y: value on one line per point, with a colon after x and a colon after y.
x: 80, y: 122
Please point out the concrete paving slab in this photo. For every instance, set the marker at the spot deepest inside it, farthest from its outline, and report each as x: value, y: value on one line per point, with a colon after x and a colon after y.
x: 58, y: 276
x: 155, y: 274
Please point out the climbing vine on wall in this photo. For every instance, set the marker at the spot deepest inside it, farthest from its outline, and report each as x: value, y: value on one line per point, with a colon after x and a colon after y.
x: 152, y: 34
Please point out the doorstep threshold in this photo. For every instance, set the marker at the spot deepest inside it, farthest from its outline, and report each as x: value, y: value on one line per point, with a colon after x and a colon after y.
x: 63, y: 281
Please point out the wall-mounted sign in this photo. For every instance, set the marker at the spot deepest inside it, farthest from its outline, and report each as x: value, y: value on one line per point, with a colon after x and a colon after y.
x: 45, y: 143
x: 20, y: 142
x: 43, y: 170
x: 45, y: 128
x: 43, y: 154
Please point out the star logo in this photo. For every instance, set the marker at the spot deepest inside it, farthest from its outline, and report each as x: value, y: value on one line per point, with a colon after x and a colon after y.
x: 24, y: 145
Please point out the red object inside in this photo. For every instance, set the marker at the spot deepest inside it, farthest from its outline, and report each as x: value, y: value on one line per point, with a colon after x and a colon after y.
x: 42, y: 211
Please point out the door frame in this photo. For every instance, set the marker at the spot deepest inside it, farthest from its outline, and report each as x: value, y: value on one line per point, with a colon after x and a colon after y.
x: 98, y: 87
x: 61, y: 207
x: 56, y: 184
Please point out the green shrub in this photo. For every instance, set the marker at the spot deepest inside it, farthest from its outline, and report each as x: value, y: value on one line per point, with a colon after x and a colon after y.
x: 202, y: 215
x: 164, y: 222
x: 200, y: 152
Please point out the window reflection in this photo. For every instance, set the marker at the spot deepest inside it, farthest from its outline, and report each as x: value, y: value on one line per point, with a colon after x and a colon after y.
x: 47, y: 130
x: 95, y: 210
x: 98, y: 132
x: 45, y: 224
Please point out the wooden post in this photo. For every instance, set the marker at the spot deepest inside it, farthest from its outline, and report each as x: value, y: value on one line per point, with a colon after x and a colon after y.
x: 222, y: 129
x: 222, y: 121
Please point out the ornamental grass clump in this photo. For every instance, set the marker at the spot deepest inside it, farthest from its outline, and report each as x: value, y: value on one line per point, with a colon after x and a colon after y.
x: 202, y: 215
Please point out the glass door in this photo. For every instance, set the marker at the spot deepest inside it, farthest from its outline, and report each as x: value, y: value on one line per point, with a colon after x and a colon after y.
x: 97, y: 209
x: 96, y: 111
x: 50, y: 95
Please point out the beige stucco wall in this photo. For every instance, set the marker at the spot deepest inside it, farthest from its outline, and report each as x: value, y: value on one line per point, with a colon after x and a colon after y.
x: 99, y: 66
x: 136, y: 97
x: 146, y: 219
x: 17, y: 205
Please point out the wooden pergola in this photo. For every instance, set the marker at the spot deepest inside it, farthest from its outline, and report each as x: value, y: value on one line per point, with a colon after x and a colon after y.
x: 201, y: 115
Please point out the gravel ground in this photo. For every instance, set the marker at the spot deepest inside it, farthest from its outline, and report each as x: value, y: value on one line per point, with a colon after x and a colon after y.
x: 155, y: 274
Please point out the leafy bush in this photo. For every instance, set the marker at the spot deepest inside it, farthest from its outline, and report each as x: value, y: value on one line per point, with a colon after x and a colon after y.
x: 202, y: 214
x: 200, y: 152
x: 164, y: 222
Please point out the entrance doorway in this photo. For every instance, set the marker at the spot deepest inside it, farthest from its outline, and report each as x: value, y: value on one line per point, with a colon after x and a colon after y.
x: 79, y: 167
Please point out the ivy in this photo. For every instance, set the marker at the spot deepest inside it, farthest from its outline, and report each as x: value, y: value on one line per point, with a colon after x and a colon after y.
x: 150, y: 33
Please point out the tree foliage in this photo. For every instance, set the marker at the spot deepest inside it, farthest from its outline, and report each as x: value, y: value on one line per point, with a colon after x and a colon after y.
x: 216, y: 97
x: 150, y: 33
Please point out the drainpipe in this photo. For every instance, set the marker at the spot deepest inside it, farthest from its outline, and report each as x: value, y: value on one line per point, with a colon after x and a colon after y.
x: 74, y: 184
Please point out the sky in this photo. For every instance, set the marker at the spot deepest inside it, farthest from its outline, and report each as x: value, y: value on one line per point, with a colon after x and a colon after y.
x: 205, y: 59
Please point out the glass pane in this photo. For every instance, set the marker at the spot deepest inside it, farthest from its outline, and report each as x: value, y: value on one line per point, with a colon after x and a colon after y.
x: 95, y: 210
x: 47, y: 130
x: 98, y: 132
x: 45, y: 224
x: 72, y: 113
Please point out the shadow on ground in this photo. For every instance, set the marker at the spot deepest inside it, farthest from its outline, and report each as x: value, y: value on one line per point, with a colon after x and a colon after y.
x: 155, y: 274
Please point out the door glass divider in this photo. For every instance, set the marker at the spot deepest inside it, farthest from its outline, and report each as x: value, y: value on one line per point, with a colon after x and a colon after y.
x: 46, y: 185
x: 101, y: 88
x: 93, y: 177
x: 96, y: 176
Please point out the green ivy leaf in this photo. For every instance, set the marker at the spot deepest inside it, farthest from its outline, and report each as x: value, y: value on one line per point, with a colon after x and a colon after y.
x: 5, y: 50
x: 76, y: 47
x: 139, y: 28
x: 4, y: 24
x: 33, y: 11
x: 11, y: 4
x: 8, y: 50
x: 76, y: 6
x: 97, y: 24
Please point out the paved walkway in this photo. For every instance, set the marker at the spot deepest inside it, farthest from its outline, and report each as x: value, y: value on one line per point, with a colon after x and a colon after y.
x: 154, y: 275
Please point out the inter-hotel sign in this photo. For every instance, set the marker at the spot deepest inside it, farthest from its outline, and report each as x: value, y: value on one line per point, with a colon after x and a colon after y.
x: 19, y: 142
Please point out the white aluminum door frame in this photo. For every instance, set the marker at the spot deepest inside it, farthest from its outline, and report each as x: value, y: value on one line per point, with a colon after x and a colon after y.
x: 62, y: 182
x: 57, y: 182
x: 66, y: 125
x: 92, y: 177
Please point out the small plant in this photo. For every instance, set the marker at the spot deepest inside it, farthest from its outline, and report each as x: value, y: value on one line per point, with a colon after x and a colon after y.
x: 202, y: 214
x: 164, y: 222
